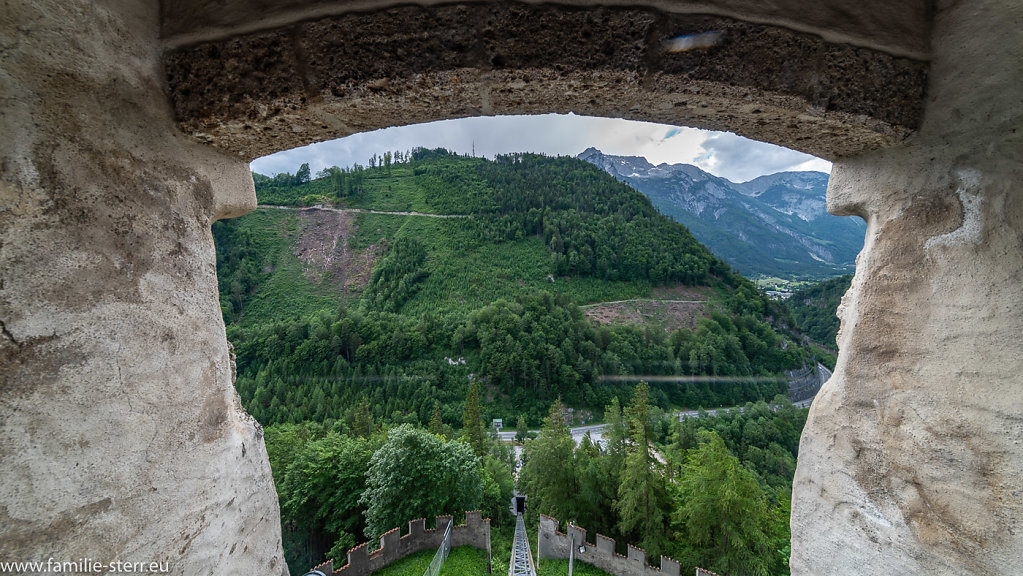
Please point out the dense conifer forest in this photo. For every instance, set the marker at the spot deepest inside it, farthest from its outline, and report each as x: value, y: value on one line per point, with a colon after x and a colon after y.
x: 815, y: 309
x: 375, y: 393
x: 499, y: 290
x: 710, y: 491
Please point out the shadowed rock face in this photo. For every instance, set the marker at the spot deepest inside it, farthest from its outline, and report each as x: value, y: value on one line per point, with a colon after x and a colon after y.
x: 910, y: 461
x: 324, y: 78
x: 900, y: 28
x: 121, y: 435
x: 120, y: 432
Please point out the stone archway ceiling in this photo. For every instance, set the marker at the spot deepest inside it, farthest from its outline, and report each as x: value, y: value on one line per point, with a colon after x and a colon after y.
x: 260, y: 92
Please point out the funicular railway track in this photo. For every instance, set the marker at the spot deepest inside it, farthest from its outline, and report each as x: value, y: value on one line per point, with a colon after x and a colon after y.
x: 521, y: 563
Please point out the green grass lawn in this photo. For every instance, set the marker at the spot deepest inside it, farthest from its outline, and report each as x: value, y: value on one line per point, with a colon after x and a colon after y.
x: 462, y: 560
x: 549, y: 567
x: 500, y: 545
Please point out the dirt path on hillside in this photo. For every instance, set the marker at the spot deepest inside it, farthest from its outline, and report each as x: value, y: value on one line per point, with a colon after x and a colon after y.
x: 642, y: 300
x: 319, y: 208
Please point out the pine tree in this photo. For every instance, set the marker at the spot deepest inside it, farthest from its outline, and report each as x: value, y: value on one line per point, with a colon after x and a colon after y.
x: 615, y: 436
x: 362, y: 420
x: 721, y: 513
x: 436, y: 424
x: 642, y: 499
x: 597, y: 489
x: 616, y: 432
x: 472, y: 423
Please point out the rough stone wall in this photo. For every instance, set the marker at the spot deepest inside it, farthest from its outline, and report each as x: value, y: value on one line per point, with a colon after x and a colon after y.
x: 901, y: 28
x: 361, y: 561
x: 911, y: 460
x: 318, y: 79
x: 555, y: 544
x: 121, y: 435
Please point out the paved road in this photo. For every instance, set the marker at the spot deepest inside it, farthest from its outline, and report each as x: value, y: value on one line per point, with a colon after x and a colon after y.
x: 596, y: 431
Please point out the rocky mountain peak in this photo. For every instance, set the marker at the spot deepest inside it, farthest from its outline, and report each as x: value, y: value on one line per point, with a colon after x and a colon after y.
x: 623, y: 166
x: 773, y: 224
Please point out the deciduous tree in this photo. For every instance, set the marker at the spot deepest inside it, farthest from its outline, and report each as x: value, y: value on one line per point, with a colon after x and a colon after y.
x: 321, y: 489
x: 521, y: 430
x: 415, y: 474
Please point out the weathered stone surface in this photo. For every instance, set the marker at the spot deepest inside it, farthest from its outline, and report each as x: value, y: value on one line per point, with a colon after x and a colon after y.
x: 900, y: 28
x: 910, y: 462
x: 315, y: 80
x: 121, y: 435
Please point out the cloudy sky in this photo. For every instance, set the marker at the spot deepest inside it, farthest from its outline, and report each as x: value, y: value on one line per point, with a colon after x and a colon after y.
x: 720, y: 153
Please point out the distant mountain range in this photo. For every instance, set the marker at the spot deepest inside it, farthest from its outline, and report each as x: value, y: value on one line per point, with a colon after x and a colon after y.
x: 773, y: 225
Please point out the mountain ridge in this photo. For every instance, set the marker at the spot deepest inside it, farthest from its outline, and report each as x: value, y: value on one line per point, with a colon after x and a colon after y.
x: 775, y: 224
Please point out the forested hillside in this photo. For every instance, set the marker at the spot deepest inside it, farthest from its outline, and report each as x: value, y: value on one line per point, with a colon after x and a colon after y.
x: 492, y: 295
x: 382, y: 315
x: 816, y: 309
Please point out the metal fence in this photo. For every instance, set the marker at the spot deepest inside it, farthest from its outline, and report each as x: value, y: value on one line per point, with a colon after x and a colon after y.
x: 442, y: 553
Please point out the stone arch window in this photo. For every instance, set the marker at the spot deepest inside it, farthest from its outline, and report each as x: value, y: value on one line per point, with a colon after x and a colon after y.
x: 835, y: 79
x: 910, y: 460
x: 330, y: 219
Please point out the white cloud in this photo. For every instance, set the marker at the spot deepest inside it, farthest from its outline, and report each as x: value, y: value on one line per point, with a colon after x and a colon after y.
x: 740, y: 159
x: 720, y: 153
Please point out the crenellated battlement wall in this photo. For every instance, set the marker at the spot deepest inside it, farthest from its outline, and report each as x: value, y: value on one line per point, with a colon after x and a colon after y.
x: 601, y: 554
x: 361, y: 560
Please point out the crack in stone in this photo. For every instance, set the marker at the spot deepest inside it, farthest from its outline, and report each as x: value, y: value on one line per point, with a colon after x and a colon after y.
x: 7, y: 334
x: 120, y: 379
